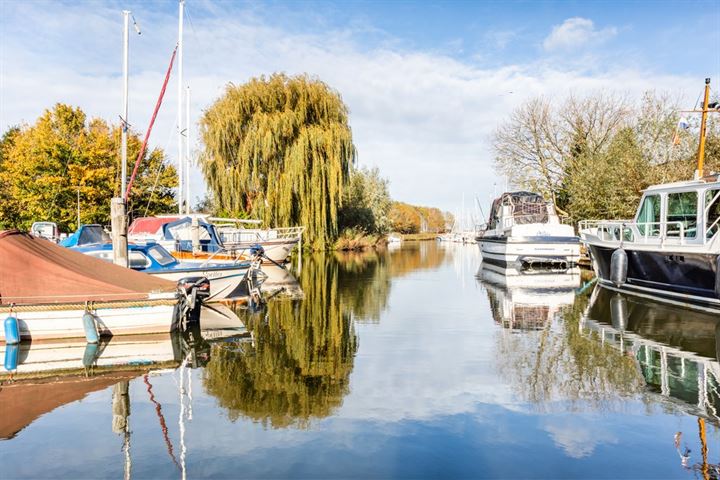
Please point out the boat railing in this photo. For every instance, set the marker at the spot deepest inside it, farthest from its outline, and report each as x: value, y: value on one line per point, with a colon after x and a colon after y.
x: 231, y: 235
x: 628, y: 231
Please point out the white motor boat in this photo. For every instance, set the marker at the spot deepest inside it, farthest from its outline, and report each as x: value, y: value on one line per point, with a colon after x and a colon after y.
x: 525, y: 232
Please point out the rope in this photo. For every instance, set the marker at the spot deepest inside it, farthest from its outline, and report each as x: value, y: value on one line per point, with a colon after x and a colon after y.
x: 81, y: 306
x: 152, y: 122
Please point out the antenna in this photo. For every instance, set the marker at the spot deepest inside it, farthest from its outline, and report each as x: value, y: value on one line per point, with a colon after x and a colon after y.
x: 135, y: 24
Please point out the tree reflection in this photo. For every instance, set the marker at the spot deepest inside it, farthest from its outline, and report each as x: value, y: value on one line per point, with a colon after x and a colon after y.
x: 299, y: 365
x: 560, y: 363
x: 297, y: 368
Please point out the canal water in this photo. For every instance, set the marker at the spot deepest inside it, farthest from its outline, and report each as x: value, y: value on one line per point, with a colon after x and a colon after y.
x: 411, y: 363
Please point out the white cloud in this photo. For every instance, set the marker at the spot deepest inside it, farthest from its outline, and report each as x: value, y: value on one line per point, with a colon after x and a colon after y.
x: 578, y: 438
x: 425, y: 118
x: 576, y: 32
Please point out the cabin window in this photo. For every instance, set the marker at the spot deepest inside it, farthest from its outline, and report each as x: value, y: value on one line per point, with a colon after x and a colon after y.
x: 161, y: 256
x: 138, y: 260
x: 649, y: 217
x: 712, y: 207
x: 682, y: 211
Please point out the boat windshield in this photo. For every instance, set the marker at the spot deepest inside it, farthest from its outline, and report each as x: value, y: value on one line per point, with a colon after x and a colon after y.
x: 648, y: 219
x: 92, y: 234
x: 161, y: 255
x: 712, y: 207
x: 682, y: 211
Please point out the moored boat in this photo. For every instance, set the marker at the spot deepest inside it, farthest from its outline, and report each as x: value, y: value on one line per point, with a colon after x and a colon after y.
x: 670, y: 250
x: 153, y: 259
x: 525, y: 232
x: 48, y: 291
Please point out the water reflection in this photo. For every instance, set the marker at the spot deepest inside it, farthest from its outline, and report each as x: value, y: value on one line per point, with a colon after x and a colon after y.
x: 677, y: 350
x: 527, y: 300
x: 552, y: 365
x: 380, y: 365
x: 298, y: 366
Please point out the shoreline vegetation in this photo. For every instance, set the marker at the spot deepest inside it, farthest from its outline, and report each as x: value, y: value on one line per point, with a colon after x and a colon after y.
x: 277, y: 148
x: 280, y: 149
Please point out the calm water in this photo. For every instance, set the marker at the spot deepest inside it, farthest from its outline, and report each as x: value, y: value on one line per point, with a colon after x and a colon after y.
x: 401, y: 364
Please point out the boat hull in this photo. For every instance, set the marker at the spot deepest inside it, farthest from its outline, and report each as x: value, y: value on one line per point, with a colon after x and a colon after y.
x: 222, y: 282
x: 686, y: 278
x: 42, y: 324
x: 530, y: 252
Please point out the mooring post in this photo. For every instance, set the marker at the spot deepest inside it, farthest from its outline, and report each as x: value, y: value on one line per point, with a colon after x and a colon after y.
x: 119, y: 232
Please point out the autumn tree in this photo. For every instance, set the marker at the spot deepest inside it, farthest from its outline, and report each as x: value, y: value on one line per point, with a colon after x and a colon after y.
x: 44, y: 166
x: 280, y: 148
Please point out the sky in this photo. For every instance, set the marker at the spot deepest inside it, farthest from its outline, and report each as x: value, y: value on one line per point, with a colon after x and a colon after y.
x: 427, y: 83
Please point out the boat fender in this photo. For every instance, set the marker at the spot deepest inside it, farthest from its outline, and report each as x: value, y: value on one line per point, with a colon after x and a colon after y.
x: 90, y: 355
x: 618, y: 267
x: 90, y: 327
x: 618, y: 312
x: 11, y: 357
x: 12, y: 330
x: 717, y: 278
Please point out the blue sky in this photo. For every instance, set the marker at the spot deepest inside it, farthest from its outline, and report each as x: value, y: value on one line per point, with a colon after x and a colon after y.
x: 426, y: 82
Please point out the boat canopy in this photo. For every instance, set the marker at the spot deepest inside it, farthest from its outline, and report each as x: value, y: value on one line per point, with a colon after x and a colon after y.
x: 36, y: 271
x: 86, y: 235
x: 527, y: 207
x: 149, y: 225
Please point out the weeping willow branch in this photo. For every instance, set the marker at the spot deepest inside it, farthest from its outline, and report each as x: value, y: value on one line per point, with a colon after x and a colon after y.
x: 280, y: 149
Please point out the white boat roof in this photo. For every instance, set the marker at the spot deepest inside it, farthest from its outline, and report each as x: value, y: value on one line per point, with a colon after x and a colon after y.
x: 713, y: 180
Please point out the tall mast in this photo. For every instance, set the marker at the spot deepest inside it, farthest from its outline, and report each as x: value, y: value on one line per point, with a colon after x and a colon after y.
x: 187, y: 151
x: 703, y: 123
x: 124, y: 126
x: 181, y: 165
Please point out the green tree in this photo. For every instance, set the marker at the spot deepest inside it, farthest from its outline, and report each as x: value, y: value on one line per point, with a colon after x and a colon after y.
x: 366, y: 202
x: 280, y: 148
x: 608, y: 184
x: 48, y: 163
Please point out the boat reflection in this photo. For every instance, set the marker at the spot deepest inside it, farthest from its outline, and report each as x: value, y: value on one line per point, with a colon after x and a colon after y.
x: 39, y: 377
x: 677, y: 350
x: 527, y: 300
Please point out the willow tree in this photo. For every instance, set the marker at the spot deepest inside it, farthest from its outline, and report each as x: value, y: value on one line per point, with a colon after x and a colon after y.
x: 280, y: 149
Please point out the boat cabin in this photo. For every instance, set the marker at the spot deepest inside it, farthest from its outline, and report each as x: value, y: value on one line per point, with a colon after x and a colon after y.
x: 520, y: 208
x: 676, y: 213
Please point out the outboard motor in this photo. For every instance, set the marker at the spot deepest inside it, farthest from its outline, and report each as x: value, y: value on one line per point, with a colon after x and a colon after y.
x: 191, y: 292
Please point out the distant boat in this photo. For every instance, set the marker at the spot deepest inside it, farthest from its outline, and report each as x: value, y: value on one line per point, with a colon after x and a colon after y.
x: 525, y: 232
x: 48, y: 290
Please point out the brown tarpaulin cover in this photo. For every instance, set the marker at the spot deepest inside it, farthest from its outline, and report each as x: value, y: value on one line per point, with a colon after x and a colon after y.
x: 36, y: 271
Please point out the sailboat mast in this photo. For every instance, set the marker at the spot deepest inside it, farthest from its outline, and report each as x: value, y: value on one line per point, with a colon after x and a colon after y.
x: 124, y: 126
x: 703, y: 124
x: 181, y: 165
x: 187, y: 151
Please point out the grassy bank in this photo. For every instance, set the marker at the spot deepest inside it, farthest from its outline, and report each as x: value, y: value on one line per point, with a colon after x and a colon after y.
x: 357, y: 239
x: 419, y: 237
